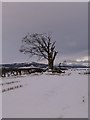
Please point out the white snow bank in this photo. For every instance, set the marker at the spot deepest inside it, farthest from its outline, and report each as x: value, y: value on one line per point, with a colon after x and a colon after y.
x: 47, y: 96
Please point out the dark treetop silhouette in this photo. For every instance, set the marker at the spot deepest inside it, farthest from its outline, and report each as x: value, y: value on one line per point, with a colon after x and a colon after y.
x: 41, y: 46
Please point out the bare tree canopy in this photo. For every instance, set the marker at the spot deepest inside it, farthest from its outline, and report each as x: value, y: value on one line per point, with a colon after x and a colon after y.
x: 41, y: 46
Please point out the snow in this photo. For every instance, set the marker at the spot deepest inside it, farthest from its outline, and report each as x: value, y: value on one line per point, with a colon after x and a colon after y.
x: 0, y: 100
x: 46, y: 96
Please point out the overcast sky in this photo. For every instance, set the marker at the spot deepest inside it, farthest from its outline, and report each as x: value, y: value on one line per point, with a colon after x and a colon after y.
x: 67, y: 21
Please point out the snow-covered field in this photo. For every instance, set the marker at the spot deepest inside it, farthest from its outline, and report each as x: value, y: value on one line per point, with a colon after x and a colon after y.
x: 45, y: 96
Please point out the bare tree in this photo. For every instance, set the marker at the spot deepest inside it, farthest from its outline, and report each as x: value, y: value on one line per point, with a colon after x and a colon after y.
x: 41, y: 46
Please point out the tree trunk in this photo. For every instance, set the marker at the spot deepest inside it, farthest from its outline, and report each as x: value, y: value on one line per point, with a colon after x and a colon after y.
x: 50, y: 64
x: 50, y: 61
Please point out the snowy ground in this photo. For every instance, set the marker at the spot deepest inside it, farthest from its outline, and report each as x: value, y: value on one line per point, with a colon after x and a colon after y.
x: 46, y: 96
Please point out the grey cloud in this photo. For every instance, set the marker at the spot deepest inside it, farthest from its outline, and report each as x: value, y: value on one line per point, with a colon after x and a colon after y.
x: 67, y: 21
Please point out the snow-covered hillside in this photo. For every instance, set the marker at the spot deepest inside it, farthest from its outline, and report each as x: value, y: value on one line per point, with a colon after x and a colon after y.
x: 46, y: 96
